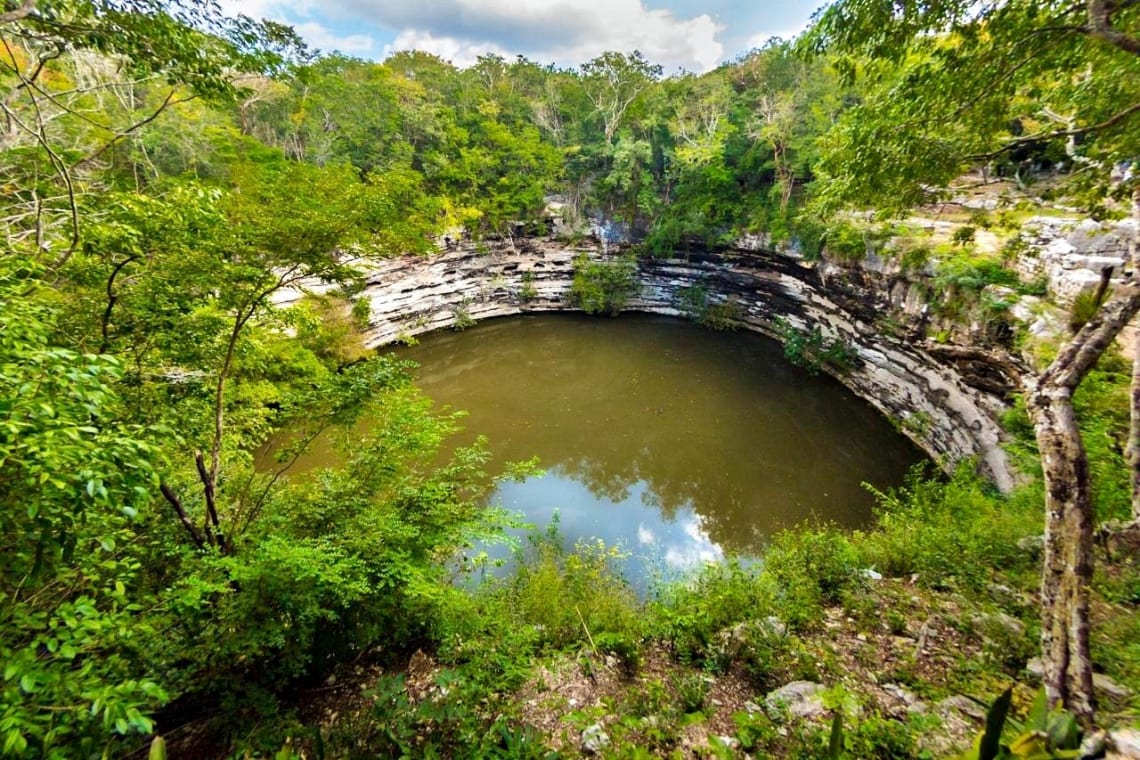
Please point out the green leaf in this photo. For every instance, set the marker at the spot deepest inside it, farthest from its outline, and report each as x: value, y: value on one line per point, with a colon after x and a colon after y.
x: 835, y: 744
x: 990, y: 746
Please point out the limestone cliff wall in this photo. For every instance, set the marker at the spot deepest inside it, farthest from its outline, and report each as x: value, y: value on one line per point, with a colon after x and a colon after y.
x: 942, y: 406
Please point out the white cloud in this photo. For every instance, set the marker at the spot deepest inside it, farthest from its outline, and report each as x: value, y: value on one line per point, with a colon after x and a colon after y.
x: 459, y: 52
x: 321, y: 38
x: 256, y: 9
x: 699, y: 550
x: 758, y: 39
x: 567, y: 33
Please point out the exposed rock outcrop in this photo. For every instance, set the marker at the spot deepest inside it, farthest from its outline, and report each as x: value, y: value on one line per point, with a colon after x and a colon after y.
x: 1070, y: 253
x: 935, y: 400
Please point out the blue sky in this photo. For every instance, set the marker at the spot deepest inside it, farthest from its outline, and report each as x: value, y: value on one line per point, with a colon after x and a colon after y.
x: 692, y: 34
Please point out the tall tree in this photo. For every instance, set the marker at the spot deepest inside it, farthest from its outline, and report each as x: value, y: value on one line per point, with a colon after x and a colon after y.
x: 613, y: 81
x: 956, y: 83
x: 77, y: 79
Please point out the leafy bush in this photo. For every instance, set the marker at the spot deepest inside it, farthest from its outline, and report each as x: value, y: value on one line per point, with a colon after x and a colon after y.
x: 527, y: 291
x: 346, y: 561
x: 603, y: 286
x: 689, y: 614
x: 847, y: 242
x: 964, y: 235
x: 622, y: 646
x: 811, y: 566
x: 695, y: 303
x: 561, y: 594
x: 692, y: 691
x: 955, y: 532
x: 71, y: 489
x: 812, y: 351
x: 765, y: 655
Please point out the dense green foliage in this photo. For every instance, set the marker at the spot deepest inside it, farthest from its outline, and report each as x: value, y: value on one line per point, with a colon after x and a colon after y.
x: 1041, y: 73
x: 173, y: 177
x: 603, y: 287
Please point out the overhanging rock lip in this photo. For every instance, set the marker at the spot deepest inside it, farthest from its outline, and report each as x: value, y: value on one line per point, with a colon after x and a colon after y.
x: 927, y: 399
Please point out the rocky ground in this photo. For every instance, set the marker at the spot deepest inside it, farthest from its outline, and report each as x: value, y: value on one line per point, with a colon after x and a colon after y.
x: 895, y: 654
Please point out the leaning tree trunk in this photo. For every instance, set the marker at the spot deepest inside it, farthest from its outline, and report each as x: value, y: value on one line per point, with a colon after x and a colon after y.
x: 1133, y: 451
x: 1069, y: 514
x: 1067, y: 568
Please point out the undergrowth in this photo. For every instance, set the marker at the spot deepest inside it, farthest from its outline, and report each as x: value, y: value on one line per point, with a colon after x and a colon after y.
x: 950, y: 538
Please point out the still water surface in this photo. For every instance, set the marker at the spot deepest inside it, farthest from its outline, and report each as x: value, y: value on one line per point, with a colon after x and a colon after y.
x: 680, y: 444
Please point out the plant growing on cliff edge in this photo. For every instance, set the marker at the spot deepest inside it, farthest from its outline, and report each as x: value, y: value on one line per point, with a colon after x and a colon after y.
x: 603, y: 286
x: 696, y: 304
x: 813, y: 351
x: 463, y: 318
x: 527, y: 291
x: 921, y: 124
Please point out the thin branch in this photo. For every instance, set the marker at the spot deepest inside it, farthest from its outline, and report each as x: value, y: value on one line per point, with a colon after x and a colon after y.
x: 255, y: 510
x: 112, y: 299
x: 211, y: 506
x: 169, y: 101
x: 1109, y: 122
x: 182, y: 518
x: 43, y: 61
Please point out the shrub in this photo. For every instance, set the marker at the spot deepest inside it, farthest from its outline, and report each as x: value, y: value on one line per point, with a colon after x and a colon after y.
x: 812, y: 566
x: 689, y: 614
x: 695, y: 303
x: 603, y: 286
x: 954, y: 532
x: 812, y: 351
x: 622, y: 646
x: 964, y: 235
x: 692, y: 691
x: 562, y: 594
x: 527, y: 291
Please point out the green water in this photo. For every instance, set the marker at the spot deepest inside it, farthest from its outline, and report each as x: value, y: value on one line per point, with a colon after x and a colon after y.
x: 680, y: 443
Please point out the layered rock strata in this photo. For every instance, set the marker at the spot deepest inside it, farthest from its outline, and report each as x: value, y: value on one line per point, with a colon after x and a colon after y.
x: 948, y: 403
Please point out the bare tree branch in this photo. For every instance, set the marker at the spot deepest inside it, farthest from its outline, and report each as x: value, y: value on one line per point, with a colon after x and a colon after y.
x: 22, y: 12
x: 1109, y: 122
x: 1100, y: 20
x: 182, y: 518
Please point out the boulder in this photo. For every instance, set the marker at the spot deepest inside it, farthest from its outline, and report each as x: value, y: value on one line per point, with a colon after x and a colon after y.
x: 802, y: 699
x: 594, y: 739
x: 1124, y: 744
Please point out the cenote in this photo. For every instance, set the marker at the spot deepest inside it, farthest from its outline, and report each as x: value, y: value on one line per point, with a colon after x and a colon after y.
x: 678, y: 444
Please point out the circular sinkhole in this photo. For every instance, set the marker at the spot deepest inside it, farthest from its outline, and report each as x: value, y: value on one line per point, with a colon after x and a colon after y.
x: 677, y: 444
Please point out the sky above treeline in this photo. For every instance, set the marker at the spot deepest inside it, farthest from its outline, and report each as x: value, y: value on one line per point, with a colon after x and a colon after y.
x: 694, y: 35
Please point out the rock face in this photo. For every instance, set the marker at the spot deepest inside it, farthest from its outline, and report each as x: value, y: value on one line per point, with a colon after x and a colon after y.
x: 1070, y: 253
x: 943, y: 404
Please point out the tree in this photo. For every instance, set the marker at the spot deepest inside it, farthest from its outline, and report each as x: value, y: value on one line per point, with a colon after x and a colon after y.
x: 71, y: 484
x: 956, y: 83
x: 613, y: 81
x: 78, y: 79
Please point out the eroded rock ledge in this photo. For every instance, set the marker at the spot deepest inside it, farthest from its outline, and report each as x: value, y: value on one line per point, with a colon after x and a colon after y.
x: 950, y: 410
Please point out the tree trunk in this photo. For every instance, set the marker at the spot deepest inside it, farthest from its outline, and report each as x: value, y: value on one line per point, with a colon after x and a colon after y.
x: 1067, y: 568
x: 1069, y: 515
x: 1133, y: 451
